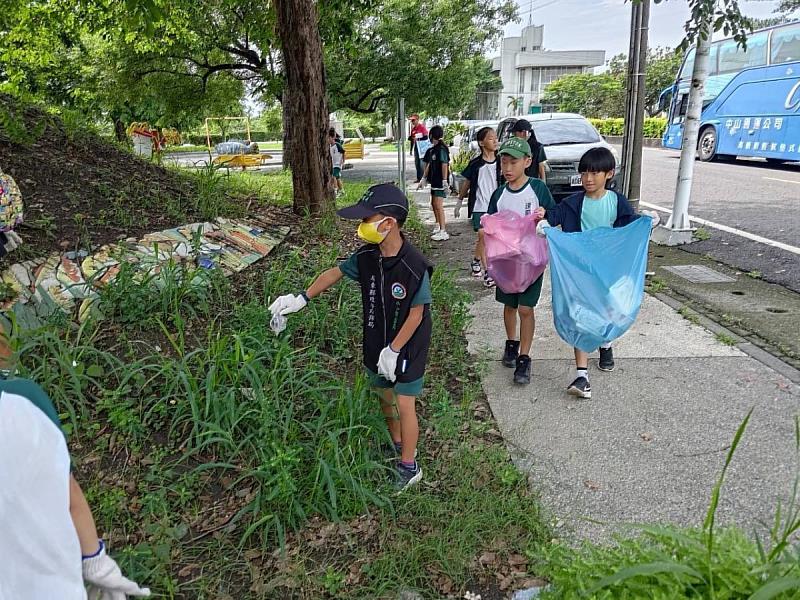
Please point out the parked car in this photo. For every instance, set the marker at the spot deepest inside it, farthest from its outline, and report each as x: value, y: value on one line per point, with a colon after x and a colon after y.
x: 566, y: 137
x: 469, y: 140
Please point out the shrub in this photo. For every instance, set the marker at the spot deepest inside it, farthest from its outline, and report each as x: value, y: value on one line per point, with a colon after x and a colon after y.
x: 652, y: 128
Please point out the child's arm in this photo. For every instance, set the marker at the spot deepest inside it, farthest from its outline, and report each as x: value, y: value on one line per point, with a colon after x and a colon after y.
x: 292, y: 303
x: 406, y: 332
x: 324, y: 281
x: 625, y: 214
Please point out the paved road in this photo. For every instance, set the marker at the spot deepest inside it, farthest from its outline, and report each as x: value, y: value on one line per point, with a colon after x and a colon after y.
x: 746, y: 195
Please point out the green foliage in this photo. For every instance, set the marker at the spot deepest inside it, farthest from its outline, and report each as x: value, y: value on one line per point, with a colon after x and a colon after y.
x: 652, y: 128
x: 662, y: 68
x: 429, y: 53
x: 600, y: 96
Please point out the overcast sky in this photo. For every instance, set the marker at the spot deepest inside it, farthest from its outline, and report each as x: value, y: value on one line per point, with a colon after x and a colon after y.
x: 605, y: 24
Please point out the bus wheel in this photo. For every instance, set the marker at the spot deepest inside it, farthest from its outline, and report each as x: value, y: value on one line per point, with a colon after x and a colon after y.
x: 707, y: 146
x: 776, y: 161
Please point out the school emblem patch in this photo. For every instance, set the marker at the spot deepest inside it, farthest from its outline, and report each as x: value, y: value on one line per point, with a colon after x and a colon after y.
x: 398, y: 291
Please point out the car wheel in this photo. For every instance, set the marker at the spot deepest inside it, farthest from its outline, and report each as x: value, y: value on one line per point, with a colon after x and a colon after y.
x: 707, y: 146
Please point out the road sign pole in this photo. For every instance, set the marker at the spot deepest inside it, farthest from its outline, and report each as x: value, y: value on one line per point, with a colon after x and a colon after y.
x: 401, y: 143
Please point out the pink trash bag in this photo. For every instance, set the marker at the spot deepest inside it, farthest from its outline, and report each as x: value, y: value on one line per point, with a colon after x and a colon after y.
x: 516, y: 256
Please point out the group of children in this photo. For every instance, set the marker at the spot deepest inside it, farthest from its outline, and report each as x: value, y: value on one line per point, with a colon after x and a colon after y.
x: 395, y: 277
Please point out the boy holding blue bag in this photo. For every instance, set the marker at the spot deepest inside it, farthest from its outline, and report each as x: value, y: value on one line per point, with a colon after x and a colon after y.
x: 593, y: 208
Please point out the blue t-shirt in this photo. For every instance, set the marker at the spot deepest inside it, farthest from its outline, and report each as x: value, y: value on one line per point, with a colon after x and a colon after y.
x: 423, y: 296
x: 599, y: 213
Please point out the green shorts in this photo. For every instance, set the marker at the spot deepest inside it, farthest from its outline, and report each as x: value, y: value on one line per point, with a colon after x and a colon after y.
x: 438, y: 193
x: 337, y: 172
x: 476, y: 220
x: 411, y: 388
x: 530, y: 297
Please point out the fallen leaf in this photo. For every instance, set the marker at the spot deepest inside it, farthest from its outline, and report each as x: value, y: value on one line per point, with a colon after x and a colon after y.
x: 487, y: 558
x: 517, y: 559
x: 592, y: 485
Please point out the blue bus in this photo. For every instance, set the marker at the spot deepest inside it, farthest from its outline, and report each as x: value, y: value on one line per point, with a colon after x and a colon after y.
x: 751, y: 106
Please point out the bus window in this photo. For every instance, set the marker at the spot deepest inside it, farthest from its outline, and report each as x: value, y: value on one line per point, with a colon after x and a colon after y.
x: 713, y: 67
x: 688, y: 66
x: 733, y: 59
x: 786, y: 44
x: 680, y: 107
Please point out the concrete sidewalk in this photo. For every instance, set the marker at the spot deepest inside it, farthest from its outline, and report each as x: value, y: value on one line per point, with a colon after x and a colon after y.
x: 649, y: 445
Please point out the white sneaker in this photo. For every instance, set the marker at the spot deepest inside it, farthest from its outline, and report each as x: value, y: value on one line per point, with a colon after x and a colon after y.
x: 440, y: 236
x: 437, y: 228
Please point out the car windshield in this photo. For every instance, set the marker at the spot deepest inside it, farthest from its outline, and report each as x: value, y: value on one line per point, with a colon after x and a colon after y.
x: 565, y: 131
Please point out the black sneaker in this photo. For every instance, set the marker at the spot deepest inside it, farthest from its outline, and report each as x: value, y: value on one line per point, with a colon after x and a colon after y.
x: 580, y: 388
x: 522, y: 374
x: 405, y: 477
x: 511, y: 354
x: 476, y: 268
x: 606, y: 359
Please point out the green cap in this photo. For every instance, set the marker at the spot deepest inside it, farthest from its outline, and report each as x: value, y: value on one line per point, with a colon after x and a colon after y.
x: 516, y: 147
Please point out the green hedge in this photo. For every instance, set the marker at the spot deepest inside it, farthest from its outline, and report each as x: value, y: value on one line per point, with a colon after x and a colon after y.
x: 653, y: 127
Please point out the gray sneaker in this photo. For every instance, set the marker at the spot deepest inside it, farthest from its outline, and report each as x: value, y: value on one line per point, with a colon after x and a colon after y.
x: 404, y: 477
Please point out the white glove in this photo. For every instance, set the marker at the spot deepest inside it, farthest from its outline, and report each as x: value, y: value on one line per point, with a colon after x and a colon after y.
x: 422, y: 183
x: 9, y: 241
x: 457, y: 209
x: 104, y: 580
x: 656, y: 218
x: 288, y: 304
x: 387, y: 363
x: 541, y: 226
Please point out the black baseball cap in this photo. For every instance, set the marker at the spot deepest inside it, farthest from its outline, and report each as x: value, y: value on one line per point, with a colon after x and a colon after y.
x: 384, y: 199
x: 521, y: 125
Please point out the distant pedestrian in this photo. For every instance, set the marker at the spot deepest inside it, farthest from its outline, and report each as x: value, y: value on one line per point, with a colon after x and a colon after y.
x: 592, y: 208
x: 394, y: 278
x: 437, y: 172
x: 523, y: 195
x: 482, y: 177
x: 523, y: 129
x: 418, y: 132
x: 337, y: 160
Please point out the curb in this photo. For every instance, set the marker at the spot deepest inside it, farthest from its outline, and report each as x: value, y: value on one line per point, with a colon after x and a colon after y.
x: 749, y: 348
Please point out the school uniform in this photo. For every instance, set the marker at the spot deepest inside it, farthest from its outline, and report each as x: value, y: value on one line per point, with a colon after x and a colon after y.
x: 523, y: 201
x: 337, y: 158
x: 484, y: 178
x: 390, y: 287
x: 437, y: 156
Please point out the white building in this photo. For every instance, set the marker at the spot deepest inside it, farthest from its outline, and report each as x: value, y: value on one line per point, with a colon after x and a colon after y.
x: 526, y: 69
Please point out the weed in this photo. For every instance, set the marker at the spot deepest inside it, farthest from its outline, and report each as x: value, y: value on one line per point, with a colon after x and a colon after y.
x: 656, y: 285
x: 724, y: 338
x: 689, y: 315
x: 701, y: 234
x: 754, y: 274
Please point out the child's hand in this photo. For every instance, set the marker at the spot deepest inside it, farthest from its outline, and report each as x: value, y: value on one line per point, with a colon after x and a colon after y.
x: 387, y: 363
x: 539, y: 213
x: 288, y: 304
x: 540, y: 228
x: 457, y: 209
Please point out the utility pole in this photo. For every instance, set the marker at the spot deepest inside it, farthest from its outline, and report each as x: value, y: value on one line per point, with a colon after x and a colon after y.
x: 678, y: 229
x: 401, y: 143
x: 634, y: 103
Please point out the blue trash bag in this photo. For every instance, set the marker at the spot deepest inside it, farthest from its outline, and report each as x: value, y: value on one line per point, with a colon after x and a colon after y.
x: 598, y: 282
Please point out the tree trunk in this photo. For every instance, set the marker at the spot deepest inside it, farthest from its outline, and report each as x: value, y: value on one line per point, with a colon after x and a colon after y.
x: 119, y: 130
x: 305, y: 107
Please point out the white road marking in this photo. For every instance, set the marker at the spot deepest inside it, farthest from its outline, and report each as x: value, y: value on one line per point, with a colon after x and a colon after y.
x: 783, y: 180
x: 734, y: 231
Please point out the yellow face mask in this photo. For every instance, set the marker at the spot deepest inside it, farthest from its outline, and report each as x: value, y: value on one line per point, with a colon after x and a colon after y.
x: 369, y: 232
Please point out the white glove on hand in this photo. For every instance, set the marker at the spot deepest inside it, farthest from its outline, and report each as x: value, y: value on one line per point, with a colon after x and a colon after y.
x: 457, y: 209
x: 541, y: 226
x: 422, y: 183
x: 387, y: 363
x: 105, y: 581
x: 288, y: 304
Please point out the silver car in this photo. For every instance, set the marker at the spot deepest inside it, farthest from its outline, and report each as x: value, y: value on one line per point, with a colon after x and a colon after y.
x: 566, y: 138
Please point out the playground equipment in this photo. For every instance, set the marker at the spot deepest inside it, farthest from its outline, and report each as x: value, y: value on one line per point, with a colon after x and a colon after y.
x: 354, y: 148
x: 146, y: 139
x: 241, y: 158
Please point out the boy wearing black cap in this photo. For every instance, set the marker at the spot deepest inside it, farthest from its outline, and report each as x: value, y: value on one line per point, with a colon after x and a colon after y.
x: 396, y: 294
x: 523, y: 130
